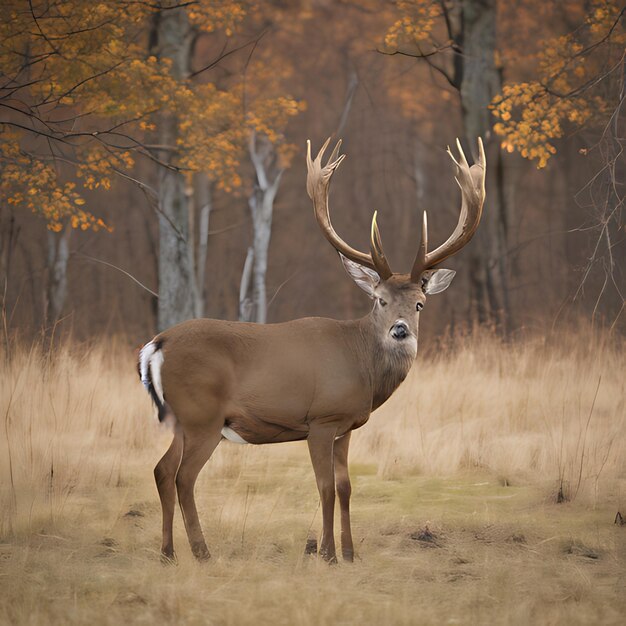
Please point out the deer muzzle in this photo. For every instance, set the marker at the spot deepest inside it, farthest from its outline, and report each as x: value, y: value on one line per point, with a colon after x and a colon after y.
x: 400, y: 330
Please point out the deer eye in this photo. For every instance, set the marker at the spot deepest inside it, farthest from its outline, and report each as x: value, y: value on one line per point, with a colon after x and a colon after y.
x: 419, y: 306
x: 382, y: 302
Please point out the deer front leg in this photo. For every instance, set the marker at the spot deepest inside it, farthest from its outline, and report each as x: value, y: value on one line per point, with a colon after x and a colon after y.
x: 344, y: 489
x: 321, y: 441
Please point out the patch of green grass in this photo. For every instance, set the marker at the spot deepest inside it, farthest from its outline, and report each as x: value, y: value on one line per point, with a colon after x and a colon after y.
x: 363, y: 469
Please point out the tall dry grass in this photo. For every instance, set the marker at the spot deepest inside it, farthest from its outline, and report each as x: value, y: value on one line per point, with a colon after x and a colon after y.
x: 549, y: 413
x: 536, y: 410
x: 73, y: 419
x: 80, y: 519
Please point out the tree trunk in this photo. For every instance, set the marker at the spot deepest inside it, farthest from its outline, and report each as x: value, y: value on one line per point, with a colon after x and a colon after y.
x: 203, y: 196
x: 261, y: 202
x: 177, y: 286
x: 246, y: 307
x: 262, y: 209
x: 8, y: 238
x: 56, y: 284
x: 479, y: 83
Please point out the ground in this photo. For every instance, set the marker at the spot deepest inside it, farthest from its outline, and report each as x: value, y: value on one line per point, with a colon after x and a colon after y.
x: 455, y: 505
x: 464, y: 550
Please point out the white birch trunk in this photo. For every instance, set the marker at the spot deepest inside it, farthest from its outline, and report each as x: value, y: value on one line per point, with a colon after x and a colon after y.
x: 203, y: 195
x: 253, y: 292
x: 56, y: 284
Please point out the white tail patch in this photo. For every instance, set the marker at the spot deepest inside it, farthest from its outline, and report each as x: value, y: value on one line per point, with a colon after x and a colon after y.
x: 144, y: 362
x: 155, y: 370
x: 150, y: 362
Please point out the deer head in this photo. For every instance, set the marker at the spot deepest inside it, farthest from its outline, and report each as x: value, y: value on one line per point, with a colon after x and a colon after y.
x: 398, y: 298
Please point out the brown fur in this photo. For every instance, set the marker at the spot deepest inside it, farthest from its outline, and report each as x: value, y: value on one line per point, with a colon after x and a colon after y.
x: 312, y: 378
x: 269, y: 382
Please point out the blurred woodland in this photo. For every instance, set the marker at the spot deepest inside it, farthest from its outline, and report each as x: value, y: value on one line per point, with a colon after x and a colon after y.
x: 158, y: 148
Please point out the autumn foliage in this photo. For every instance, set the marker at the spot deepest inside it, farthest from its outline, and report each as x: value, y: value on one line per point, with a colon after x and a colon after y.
x: 83, y: 95
x: 570, y: 72
x: 569, y: 90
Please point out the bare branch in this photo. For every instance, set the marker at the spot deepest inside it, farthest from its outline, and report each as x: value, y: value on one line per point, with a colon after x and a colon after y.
x: 253, y: 42
x: 427, y: 56
x: 119, y: 269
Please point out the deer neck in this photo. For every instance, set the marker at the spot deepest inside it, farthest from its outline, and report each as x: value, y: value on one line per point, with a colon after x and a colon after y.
x: 389, y: 361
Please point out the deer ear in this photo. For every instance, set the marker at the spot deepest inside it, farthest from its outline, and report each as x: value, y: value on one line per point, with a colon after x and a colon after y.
x: 364, y: 277
x: 436, y: 281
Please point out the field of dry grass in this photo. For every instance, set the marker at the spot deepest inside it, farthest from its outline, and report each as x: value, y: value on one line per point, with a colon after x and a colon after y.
x: 455, y: 488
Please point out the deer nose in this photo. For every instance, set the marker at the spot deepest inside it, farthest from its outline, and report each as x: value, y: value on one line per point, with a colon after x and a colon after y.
x: 400, y: 330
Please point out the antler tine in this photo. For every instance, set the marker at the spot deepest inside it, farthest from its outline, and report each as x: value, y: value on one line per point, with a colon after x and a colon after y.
x: 479, y: 169
x: 422, y: 251
x: 471, y: 180
x: 317, y: 184
x: 378, y: 254
x: 335, y: 153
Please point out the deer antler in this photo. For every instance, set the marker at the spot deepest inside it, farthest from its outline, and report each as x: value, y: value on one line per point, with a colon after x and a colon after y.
x: 317, y: 184
x: 471, y: 180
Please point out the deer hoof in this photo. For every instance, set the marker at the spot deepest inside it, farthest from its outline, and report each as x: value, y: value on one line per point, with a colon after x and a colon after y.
x: 311, y: 546
x: 168, y: 557
x: 329, y: 557
x: 200, y: 551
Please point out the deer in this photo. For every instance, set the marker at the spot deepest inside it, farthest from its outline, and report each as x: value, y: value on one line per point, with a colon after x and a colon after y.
x: 312, y: 379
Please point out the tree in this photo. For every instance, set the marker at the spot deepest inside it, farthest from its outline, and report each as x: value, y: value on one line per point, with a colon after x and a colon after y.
x: 37, y: 44
x: 268, y: 173
x: 579, y: 84
x: 173, y: 37
x: 577, y: 81
x: 457, y: 39
x: 270, y: 154
x: 86, y: 93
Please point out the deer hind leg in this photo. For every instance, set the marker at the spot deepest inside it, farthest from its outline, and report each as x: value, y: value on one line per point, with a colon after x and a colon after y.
x: 344, y: 490
x: 321, y: 440
x: 165, y: 477
x: 197, y: 449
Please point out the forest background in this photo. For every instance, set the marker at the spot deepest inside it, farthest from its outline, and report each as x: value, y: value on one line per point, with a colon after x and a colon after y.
x: 157, y: 149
